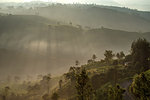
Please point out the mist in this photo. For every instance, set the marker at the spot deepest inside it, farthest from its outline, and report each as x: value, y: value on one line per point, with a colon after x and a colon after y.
x: 49, y: 38
x: 42, y: 41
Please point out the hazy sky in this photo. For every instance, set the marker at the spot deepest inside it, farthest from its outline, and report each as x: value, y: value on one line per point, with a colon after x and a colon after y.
x: 137, y: 4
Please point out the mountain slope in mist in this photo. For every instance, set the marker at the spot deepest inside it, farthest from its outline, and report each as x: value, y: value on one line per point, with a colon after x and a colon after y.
x: 33, y: 44
x: 93, y: 16
x: 97, y: 16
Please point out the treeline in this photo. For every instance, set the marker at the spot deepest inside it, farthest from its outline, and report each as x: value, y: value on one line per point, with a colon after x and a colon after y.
x: 105, y: 84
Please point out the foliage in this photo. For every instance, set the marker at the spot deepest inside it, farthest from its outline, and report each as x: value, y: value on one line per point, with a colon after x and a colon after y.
x: 115, y: 93
x: 83, y: 87
x: 140, y: 86
x: 120, y: 57
x: 98, y: 80
x: 109, y: 92
x: 94, y: 57
x: 108, y: 56
x: 71, y: 75
x: 140, y: 52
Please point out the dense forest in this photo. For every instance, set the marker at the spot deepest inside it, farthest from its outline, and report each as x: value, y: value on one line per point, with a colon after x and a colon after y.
x: 73, y: 52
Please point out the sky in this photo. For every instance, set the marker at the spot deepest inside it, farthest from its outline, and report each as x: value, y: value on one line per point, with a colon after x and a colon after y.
x: 135, y: 4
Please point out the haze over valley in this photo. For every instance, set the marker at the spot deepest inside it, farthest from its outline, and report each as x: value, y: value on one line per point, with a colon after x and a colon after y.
x: 36, y: 36
x: 74, y: 50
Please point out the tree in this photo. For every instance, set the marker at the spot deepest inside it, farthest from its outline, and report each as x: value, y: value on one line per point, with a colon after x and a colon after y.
x: 55, y: 96
x: 140, y: 86
x: 120, y: 56
x: 46, y: 81
x: 60, y: 84
x: 84, y: 89
x: 108, y: 56
x: 71, y: 74
x: 140, y: 52
x: 76, y: 62
x: 94, y: 57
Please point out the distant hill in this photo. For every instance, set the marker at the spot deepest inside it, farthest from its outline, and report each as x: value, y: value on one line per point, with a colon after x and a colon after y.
x: 144, y: 14
x: 94, y: 16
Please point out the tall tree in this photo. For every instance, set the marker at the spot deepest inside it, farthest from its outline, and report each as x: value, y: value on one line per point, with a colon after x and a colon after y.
x: 108, y: 56
x: 84, y: 89
x: 140, y: 52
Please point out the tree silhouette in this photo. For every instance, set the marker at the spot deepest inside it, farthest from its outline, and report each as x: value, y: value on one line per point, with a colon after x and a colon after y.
x: 60, y: 84
x: 77, y: 63
x: 120, y: 56
x: 140, y: 52
x: 108, y: 56
x: 84, y: 89
x: 94, y: 57
x: 71, y: 75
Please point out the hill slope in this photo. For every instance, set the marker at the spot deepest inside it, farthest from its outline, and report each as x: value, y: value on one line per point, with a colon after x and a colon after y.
x: 37, y: 45
x: 97, y: 16
x: 93, y: 16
